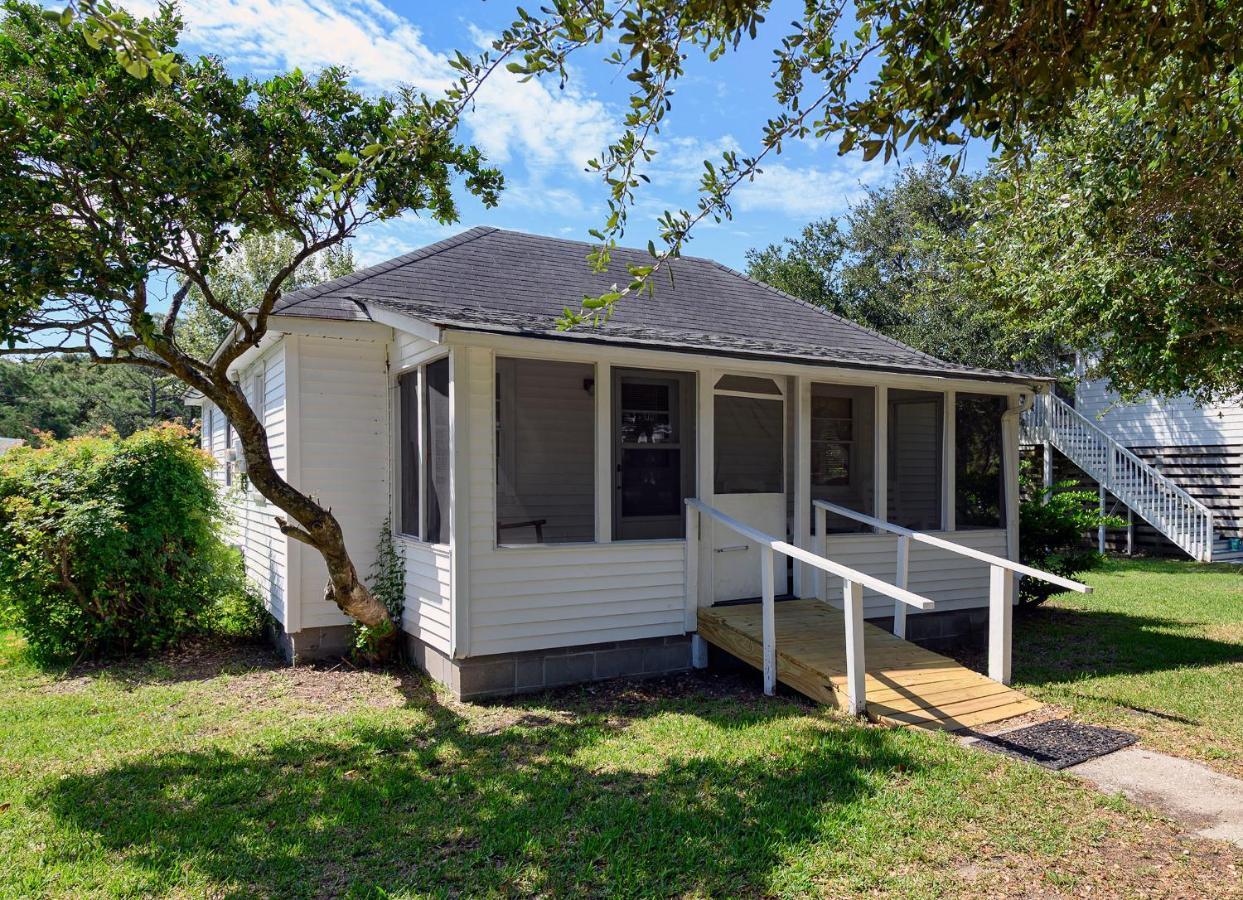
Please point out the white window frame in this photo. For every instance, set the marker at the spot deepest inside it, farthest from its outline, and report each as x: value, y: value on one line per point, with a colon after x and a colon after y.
x: 419, y: 370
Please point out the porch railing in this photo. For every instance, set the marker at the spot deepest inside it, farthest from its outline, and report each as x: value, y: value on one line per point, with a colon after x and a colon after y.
x: 853, y: 583
x: 1000, y: 584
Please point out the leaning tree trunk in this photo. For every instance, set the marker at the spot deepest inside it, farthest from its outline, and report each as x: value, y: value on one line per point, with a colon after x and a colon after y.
x: 314, y: 526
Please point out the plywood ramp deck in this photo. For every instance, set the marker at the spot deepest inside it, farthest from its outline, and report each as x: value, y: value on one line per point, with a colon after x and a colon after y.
x: 906, y: 684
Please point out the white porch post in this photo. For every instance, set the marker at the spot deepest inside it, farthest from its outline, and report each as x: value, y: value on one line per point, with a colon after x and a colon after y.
x: 856, y: 665
x: 1100, y: 529
x: 691, y: 613
x: 604, y: 453
x: 705, y: 432
x: 801, y: 458
x: 769, y: 616
x: 822, y: 542
x: 880, y: 462
x: 460, y: 372
x: 949, y: 468
x: 900, y: 578
x: 1000, y: 623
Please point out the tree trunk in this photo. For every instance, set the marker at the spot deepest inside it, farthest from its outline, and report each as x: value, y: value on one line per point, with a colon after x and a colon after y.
x: 312, y: 525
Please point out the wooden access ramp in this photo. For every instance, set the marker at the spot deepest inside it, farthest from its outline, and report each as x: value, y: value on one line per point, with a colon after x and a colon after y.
x: 906, y: 684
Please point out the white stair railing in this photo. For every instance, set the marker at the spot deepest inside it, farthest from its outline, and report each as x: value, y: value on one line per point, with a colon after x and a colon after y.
x: 1183, y: 519
x: 1000, y: 584
x: 853, y: 583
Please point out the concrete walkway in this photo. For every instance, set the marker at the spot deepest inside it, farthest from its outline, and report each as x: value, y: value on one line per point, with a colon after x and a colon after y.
x: 1208, y: 803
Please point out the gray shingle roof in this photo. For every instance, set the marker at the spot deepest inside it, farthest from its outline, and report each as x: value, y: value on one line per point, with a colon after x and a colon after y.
x: 488, y: 279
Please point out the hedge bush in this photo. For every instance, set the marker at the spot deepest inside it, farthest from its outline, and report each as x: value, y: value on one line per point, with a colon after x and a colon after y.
x: 113, y: 545
x: 1055, y: 528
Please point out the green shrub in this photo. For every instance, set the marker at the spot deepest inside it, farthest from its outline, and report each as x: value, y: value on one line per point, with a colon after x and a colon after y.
x: 111, y: 546
x: 1053, y: 534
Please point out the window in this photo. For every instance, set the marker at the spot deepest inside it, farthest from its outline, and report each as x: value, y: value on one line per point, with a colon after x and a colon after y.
x: 545, y: 452
x: 408, y: 415
x: 749, y: 444
x: 436, y: 462
x: 915, y: 420
x: 978, y: 479
x: 423, y: 482
x: 843, y: 425
x: 653, y: 453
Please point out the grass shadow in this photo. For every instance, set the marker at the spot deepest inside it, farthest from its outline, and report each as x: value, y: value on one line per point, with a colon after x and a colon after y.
x: 540, y: 805
x: 1058, y: 645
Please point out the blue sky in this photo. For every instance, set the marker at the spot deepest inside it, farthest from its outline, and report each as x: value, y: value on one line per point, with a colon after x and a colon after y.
x: 541, y: 136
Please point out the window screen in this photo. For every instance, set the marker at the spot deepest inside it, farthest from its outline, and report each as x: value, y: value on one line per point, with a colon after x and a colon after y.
x: 978, y: 468
x: 843, y: 426
x: 408, y: 417
x: 545, y: 452
x: 436, y: 436
x: 748, y: 445
x: 915, y: 419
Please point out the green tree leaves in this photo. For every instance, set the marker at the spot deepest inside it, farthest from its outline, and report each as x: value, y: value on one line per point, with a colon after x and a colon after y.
x: 1124, y: 249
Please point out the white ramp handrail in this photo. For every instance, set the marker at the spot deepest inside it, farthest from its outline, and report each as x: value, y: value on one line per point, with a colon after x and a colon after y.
x: 853, y: 583
x: 1157, y: 499
x: 1001, y: 586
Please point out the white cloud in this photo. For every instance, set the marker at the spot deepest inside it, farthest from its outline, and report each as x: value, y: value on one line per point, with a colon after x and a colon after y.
x: 808, y: 191
x: 512, y: 120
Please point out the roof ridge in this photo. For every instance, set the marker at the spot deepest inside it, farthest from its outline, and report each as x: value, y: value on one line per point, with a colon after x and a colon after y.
x: 824, y: 312
x: 354, y: 278
x: 564, y: 240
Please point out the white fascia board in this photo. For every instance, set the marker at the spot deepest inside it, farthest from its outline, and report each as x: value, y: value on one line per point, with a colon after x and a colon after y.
x: 420, y: 328
x: 690, y: 359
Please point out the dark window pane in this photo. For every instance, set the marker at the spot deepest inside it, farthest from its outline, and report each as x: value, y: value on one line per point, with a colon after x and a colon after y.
x: 915, y: 420
x: 651, y: 482
x: 843, y: 424
x: 748, y: 445
x: 978, y: 478
x: 638, y: 396
x: 646, y: 428
x: 830, y: 464
x: 408, y: 478
x: 545, y: 452
x: 436, y: 406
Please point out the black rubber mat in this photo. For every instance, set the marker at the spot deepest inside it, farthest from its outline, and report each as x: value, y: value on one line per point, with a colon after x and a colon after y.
x: 1057, y: 744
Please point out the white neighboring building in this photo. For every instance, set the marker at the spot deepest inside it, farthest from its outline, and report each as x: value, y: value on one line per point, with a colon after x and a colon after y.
x: 1200, y: 448
x: 538, y: 477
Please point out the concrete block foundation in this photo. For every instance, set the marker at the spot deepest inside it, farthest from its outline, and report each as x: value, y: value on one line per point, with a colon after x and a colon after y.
x: 507, y: 674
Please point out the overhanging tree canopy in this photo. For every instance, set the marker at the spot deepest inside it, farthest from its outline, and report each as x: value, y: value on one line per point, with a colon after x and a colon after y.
x: 114, y: 184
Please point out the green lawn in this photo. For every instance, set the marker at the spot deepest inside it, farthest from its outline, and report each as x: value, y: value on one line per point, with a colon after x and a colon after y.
x: 225, y: 774
x: 1157, y: 649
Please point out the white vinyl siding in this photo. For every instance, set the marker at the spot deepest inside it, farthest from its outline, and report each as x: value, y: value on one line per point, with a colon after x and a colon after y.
x: 952, y: 581
x: 427, y: 614
x: 343, y: 397
x: 1161, y: 423
x: 253, y: 525
x: 540, y: 597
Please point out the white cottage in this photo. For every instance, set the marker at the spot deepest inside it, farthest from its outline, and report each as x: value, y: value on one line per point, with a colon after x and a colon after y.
x: 539, y: 478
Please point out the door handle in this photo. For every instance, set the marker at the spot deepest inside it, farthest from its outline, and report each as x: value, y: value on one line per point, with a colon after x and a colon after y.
x: 732, y: 548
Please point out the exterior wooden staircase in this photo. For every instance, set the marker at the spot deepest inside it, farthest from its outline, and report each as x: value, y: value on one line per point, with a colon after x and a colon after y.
x: 1138, y: 486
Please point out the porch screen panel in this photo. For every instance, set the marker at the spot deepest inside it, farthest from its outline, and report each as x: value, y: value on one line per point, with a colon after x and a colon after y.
x: 978, y: 479
x: 436, y: 482
x: 408, y: 419
x: 842, y: 432
x: 545, y: 452
x: 749, y: 445
x: 915, y: 419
